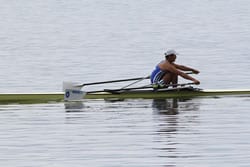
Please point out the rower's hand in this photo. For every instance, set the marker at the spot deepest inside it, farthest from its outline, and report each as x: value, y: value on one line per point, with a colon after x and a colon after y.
x: 196, y: 82
x: 195, y: 71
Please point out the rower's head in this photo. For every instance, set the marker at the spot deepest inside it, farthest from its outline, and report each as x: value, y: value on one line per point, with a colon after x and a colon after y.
x: 170, y: 55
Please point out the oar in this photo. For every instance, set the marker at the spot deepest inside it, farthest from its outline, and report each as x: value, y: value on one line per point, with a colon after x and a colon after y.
x: 112, y: 81
x: 119, y: 80
x: 136, y: 82
x: 73, y: 90
x: 77, y: 95
x: 146, y: 78
x: 141, y: 87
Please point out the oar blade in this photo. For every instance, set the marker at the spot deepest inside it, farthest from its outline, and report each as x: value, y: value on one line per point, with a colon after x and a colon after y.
x: 73, y: 95
x: 72, y: 92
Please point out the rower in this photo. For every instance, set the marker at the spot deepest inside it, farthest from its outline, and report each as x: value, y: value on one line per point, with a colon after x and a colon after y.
x: 167, y: 72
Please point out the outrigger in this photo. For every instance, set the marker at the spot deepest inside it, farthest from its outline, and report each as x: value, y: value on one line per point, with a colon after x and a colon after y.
x: 73, y: 92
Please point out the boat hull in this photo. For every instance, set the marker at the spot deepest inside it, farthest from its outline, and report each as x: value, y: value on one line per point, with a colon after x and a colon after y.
x: 30, y: 98
x: 177, y: 93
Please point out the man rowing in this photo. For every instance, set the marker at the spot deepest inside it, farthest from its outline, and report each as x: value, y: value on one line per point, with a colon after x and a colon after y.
x: 167, y: 72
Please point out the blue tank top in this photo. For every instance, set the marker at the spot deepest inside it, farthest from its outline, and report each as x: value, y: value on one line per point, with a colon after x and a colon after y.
x: 157, y: 75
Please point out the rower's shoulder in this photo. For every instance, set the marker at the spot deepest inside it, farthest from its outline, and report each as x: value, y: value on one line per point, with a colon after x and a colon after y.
x: 166, y: 64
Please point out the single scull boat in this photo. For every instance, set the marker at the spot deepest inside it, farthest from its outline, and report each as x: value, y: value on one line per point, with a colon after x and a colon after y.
x: 184, y: 92
x: 73, y: 92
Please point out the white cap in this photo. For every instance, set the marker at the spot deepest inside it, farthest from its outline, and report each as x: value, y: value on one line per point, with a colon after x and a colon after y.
x: 171, y: 52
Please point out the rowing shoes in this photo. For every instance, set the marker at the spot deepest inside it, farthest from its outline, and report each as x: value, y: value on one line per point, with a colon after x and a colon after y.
x: 74, y: 92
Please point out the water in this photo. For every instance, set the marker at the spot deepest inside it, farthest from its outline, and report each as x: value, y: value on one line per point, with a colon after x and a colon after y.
x: 191, y: 132
x: 46, y: 42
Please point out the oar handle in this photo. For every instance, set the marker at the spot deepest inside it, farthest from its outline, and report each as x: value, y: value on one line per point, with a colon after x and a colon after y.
x: 190, y: 72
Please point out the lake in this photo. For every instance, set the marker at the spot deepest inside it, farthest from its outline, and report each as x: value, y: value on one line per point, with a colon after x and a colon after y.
x: 44, y: 43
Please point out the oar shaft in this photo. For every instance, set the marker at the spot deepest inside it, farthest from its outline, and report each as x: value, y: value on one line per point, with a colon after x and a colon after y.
x: 120, y: 80
x: 139, y: 88
x: 139, y: 80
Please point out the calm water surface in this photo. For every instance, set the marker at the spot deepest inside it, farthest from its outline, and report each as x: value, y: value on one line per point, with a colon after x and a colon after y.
x: 43, y: 43
x: 190, y: 132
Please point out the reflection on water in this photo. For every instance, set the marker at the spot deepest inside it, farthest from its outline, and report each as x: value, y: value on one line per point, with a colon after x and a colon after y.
x: 169, y: 111
x: 171, y: 132
x: 173, y: 126
x: 165, y: 106
x: 172, y: 106
x: 74, y: 106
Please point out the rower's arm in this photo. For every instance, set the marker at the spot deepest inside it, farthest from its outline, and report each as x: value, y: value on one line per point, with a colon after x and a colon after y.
x: 185, y: 68
x: 183, y: 75
x: 186, y: 76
